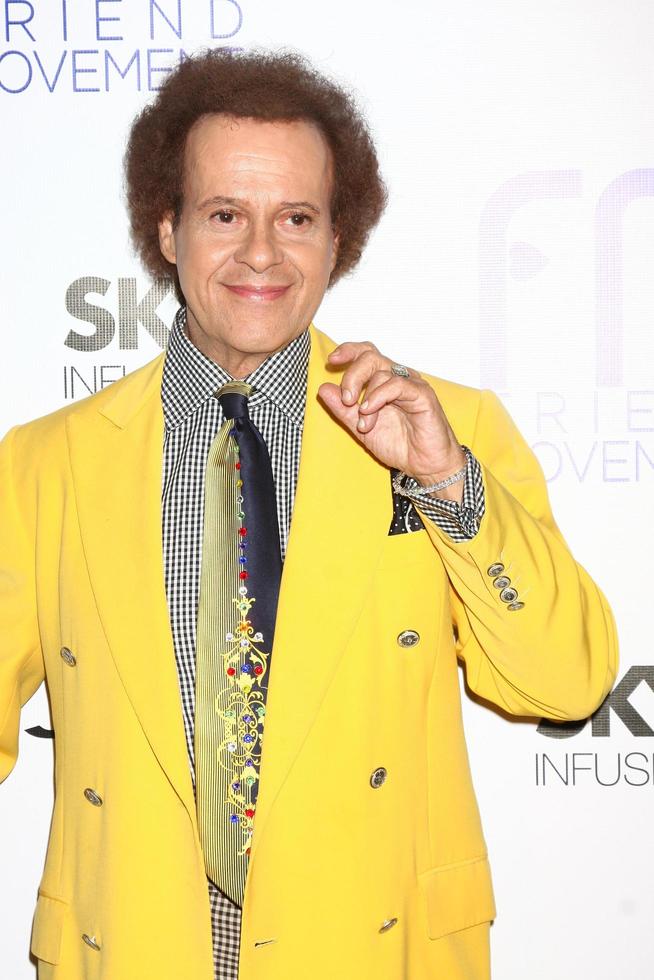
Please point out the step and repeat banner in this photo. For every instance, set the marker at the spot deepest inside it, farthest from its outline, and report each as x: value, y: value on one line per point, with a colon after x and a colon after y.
x: 516, y: 254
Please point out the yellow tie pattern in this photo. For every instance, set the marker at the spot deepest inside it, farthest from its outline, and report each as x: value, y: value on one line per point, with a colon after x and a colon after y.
x: 229, y: 706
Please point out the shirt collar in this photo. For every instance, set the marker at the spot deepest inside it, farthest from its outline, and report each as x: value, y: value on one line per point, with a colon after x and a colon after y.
x: 190, y: 378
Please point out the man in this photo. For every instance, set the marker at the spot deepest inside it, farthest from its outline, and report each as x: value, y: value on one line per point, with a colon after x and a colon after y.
x: 225, y: 807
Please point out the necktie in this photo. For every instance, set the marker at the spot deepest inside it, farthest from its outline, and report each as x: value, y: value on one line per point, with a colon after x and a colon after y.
x: 239, y: 589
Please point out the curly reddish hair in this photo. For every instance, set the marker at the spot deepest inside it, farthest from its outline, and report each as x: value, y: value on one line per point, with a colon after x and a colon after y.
x: 271, y: 86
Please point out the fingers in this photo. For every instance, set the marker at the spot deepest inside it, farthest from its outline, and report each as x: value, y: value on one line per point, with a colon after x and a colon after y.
x: 349, y: 350
x: 382, y: 390
x: 364, y: 361
x: 385, y: 388
x: 330, y: 395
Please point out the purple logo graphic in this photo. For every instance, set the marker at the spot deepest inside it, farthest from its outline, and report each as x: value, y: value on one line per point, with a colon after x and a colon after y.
x: 501, y: 260
x: 609, y: 271
x: 97, y: 47
x: 495, y: 254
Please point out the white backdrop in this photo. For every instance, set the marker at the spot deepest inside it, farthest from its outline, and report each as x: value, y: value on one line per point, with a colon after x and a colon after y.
x: 516, y: 254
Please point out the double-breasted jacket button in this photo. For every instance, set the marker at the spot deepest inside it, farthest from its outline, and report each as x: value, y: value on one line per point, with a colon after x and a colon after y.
x: 501, y: 581
x: 514, y: 606
x: 508, y: 595
x: 93, y: 797
x: 387, y: 924
x: 495, y: 569
x: 408, y: 638
x: 68, y: 656
x: 378, y: 777
x: 90, y: 941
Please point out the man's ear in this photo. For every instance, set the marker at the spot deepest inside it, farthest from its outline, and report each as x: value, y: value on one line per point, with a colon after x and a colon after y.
x: 167, y: 238
x: 336, y: 241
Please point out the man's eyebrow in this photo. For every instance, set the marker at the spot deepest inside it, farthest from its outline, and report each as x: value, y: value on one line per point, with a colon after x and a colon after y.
x: 301, y: 204
x: 220, y: 200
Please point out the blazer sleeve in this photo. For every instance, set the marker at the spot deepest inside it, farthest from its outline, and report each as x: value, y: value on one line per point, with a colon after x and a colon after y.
x: 555, y: 657
x: 21, y: 661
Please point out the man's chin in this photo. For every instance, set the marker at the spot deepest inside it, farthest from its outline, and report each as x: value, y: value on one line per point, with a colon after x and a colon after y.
x: 263, y: 336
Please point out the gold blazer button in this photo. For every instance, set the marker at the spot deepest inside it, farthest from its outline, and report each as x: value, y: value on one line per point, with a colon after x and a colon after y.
x: 68, y: 657
x: 408, y: 638
x: 93, y: 797
x: 378, y: 777
x: 495, y: 568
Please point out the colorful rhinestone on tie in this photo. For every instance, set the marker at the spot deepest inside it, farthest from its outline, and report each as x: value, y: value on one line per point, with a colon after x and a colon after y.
x: 241, y: 708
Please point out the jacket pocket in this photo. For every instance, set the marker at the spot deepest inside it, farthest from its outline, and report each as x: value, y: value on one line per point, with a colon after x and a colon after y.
x: 457, y: 896
x: 47, y: 928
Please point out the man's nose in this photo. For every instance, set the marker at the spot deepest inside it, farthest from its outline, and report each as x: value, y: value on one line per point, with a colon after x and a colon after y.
x: 260, y: 248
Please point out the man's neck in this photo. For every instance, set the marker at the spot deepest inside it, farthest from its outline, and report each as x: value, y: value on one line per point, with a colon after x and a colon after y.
x: 238, y: 364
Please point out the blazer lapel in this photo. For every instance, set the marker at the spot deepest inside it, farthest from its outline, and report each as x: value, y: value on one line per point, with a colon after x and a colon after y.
x: 340, y: 520
x: 116, y: 457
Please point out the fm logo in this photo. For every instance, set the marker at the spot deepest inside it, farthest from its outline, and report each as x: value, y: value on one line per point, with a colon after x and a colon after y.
x: 131, y: 312
x: 500, y: 258
x: 618, y: 702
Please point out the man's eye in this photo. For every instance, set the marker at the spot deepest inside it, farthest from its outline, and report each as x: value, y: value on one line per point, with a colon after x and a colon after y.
x: 225, y: 217
x: 299, y: 219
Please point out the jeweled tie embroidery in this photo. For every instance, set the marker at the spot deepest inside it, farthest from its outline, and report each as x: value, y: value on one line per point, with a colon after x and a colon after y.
x: 241, y: 706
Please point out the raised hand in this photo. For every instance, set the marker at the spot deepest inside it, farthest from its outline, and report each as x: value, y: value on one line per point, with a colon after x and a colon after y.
x: 399, y: 420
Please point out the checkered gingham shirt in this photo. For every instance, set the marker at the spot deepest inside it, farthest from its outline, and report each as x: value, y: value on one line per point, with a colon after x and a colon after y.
x: 192, y: 419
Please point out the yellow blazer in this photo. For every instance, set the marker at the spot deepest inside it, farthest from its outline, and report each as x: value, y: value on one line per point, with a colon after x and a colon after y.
x: 334, y: 860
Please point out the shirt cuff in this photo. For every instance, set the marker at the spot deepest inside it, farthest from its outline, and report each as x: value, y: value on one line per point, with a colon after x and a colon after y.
x: 460, y: 521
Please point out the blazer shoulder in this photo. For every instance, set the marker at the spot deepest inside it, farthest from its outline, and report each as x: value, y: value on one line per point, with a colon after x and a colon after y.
x: 118, y: 402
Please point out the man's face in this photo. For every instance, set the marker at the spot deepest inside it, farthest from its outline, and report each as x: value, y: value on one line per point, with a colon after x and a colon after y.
x: 254, y: 246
